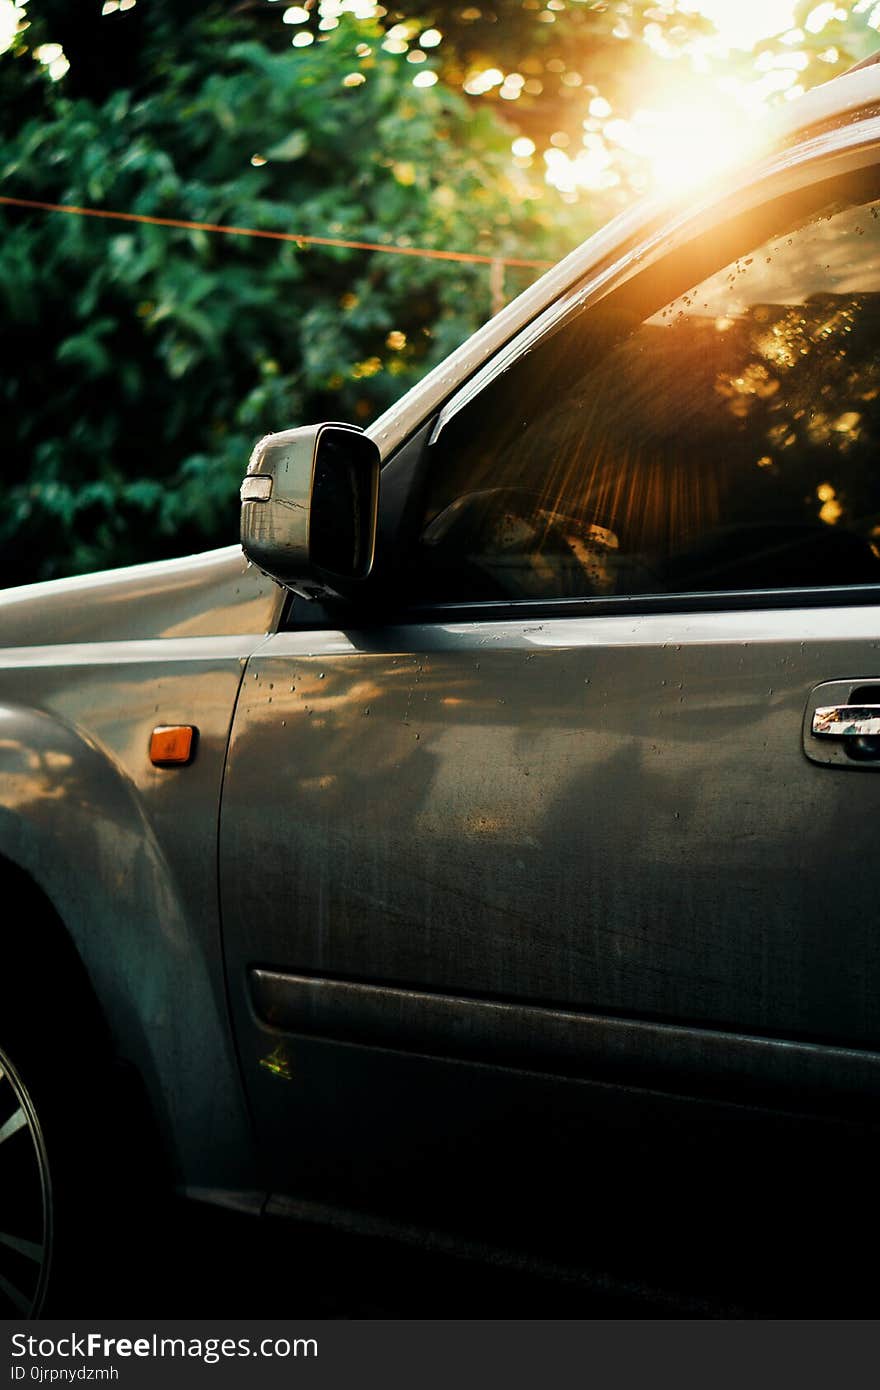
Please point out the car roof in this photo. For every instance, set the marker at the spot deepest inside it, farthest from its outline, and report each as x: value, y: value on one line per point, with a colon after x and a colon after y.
x: 837, y: 102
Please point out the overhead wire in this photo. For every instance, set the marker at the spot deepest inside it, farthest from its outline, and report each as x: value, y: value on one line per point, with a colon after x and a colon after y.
x: 299, y: 238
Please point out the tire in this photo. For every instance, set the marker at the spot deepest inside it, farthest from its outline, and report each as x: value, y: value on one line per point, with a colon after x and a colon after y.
x: 84, y: 1176
x: 27, y: 1212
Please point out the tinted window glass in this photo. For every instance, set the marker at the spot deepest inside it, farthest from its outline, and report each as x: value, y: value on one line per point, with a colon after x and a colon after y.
x: 724, y: 438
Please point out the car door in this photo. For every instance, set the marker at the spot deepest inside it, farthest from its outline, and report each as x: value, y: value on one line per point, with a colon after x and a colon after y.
x: 537, y: 848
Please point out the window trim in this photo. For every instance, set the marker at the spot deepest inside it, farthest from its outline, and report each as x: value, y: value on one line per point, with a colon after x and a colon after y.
x: 619, y: 605
x: 707, y: 601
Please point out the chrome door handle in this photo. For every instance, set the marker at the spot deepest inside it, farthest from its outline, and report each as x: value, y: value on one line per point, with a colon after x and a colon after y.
x: 846, y: 721
x: 841, y: 725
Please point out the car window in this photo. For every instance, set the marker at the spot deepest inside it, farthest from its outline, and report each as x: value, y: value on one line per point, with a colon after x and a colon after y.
x: 722, y: 437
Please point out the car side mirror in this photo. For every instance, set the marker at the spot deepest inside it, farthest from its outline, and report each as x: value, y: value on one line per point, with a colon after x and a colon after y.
x: 308, y: 508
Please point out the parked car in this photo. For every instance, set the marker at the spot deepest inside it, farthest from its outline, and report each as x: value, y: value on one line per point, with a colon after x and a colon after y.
x: 474, y: 860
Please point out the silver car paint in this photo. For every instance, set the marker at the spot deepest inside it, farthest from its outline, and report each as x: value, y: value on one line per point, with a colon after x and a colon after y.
x: 606, y: 817
x: 216, y: 594
x: 607, y: 813
x: 127, y: 852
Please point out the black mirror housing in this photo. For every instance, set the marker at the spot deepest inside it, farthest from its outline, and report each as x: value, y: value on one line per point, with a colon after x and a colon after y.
x: 308, y: 508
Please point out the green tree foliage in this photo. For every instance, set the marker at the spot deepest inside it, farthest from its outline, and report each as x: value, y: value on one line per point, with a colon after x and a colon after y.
x: 142, y: 362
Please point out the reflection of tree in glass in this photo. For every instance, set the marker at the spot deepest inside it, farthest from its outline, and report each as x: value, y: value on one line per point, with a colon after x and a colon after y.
x: 742, y: 494
x: 810, y: 390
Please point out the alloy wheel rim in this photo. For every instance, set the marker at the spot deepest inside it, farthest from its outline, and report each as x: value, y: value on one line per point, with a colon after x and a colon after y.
x: 25, y: 1200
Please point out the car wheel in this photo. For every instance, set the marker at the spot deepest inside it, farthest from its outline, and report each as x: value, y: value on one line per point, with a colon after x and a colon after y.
x: 26, y: 1205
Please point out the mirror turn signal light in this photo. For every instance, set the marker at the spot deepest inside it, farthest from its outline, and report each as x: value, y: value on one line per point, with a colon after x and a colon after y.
x: 172, y: 745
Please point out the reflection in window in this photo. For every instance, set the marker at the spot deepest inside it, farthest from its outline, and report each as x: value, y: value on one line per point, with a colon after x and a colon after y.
x: 728, y: 441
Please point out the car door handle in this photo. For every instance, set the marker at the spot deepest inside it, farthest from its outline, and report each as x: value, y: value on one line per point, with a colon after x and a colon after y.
x: 841, y: 725
x: 846, y: 721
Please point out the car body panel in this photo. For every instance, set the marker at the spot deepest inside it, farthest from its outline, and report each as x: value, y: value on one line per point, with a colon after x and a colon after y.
x: 449, y: 806
x: 519, y: 890
x: 98, y: 828
x: 216, y: 594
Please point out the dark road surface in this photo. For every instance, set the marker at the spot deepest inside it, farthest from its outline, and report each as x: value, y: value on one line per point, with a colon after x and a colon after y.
x: 200, y: 1262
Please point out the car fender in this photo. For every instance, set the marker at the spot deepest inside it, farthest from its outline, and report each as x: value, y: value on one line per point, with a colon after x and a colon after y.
x: 74, y: 820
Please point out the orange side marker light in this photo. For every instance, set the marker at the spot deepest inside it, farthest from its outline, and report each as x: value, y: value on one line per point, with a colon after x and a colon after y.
x: 172, y: 745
